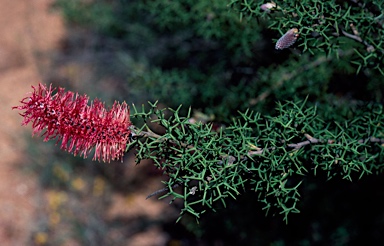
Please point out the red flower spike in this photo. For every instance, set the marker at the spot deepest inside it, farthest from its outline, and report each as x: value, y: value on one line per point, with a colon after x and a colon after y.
x: 79, y: 126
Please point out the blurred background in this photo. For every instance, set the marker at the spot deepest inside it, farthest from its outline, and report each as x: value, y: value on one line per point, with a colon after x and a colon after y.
x: 48, y: 197
x: 195, y: 53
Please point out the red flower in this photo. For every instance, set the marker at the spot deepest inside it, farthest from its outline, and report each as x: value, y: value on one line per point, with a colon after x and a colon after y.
x: 79, y: 126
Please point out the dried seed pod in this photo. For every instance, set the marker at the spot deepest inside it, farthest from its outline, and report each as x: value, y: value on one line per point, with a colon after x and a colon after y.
x: 287, y: 39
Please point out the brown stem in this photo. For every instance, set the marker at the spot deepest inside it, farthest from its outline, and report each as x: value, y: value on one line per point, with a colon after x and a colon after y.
x: 312, y: 140
x: 138, y: 133
x: 259, y: 151
x: 161, y: 191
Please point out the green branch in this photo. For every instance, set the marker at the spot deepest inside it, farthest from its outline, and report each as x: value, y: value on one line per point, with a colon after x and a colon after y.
x: 259, y: 154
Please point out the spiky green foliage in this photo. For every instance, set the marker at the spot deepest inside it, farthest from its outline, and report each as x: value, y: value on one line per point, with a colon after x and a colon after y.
x: 327, y: 26
x: 267, y: 155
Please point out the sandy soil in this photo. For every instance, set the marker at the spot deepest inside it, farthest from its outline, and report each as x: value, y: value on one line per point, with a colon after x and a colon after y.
x: 26, y: 27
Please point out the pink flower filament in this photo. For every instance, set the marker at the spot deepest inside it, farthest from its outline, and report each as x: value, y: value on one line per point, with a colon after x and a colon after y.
x: 79, y: 126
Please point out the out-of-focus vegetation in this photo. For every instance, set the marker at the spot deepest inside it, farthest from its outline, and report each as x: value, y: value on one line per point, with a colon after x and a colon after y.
x: 203, y: 55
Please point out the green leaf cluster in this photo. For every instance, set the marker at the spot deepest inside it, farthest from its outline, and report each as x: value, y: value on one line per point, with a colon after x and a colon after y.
x: 327, y: 26
x: 267, y: 155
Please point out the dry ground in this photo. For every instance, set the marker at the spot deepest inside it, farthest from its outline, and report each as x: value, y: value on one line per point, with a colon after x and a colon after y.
x: 26, y: 26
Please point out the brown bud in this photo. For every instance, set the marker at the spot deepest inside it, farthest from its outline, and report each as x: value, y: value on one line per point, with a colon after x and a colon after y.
x: 287, y: 39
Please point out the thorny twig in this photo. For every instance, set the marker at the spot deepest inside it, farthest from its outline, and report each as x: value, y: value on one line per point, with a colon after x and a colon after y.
x: 357, y: 37
x: 137, y: 133
x: 259, y: 151
x: 161, y: 191
x: 312, y: 140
